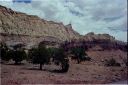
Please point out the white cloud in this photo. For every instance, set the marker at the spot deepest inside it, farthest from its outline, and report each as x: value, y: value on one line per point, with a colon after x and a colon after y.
x: 99, y: 16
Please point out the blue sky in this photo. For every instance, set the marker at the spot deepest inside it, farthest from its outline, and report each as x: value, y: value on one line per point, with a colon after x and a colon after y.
x: 99, y: 16
x: 20, y: 1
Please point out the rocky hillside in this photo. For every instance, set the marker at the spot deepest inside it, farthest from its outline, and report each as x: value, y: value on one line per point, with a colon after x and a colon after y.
x: 16, y: 27
x: 31, y: 28
x: 93, y: 37
x: 97, y: 42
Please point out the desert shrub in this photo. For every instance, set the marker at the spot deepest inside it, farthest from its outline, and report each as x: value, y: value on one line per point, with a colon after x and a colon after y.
x: 112, y: 62
x: 59, y: 54
x: 79, y: 54
x: 10, y: 54
x: 65, y: 65
x: 42, y: 55
x: 30, y: 54
x: 86, y: 58
x: 4, y: 52
x: 18, y: 55
x: 60, y: 58
x: 51, y: 52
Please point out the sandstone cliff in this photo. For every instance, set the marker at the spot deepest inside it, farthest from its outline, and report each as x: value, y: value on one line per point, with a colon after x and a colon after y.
x: 31, y: 28
x: 16, y: 27
x: 92, y: 36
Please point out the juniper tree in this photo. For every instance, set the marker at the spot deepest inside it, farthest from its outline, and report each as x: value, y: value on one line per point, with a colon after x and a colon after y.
x: 61, y: 58
x: 79, y: 54
x: 18, y: 55
x: 4, y: 52
x: 40, y: 56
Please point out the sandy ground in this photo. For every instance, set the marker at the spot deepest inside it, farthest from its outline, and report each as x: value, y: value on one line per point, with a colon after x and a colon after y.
x: 121, y: 82
x: 99, y: 56
x: 88, y: 72
x: 15, y: 75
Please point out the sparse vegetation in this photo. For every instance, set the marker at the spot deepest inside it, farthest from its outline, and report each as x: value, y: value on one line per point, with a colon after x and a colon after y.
x: 61, y: 42
x: 39, y: 56
x: 42, y: 55
x: 86, y: 58
x: 4, y: 52
x: 79, y: 54
x: 18, y: 56
x: 111, y: 62
x: 60, y: 58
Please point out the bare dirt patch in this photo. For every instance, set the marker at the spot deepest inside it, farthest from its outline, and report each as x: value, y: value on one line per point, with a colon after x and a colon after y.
x: 89, y: 72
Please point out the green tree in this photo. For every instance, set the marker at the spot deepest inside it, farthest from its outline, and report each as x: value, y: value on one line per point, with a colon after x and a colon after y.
x: 31, y: 54
x: 40, y: 56
x: 4, y: 52
x: 65, y: 65
x: 61, y: 59
x: 18, y: 55
x: 79, y: 54
x: 51, y: 52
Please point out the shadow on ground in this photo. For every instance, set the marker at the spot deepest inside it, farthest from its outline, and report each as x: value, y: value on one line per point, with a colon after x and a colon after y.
x: 52, y: 71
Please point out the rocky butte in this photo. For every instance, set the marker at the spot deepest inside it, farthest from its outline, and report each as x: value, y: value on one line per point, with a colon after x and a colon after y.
x: 17, y: 27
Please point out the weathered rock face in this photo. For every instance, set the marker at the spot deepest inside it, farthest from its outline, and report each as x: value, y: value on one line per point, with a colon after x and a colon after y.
x: 97, y: 42
x: 103, y: 41
x: 18, y: 27
x: 31, y: 28
x: 92, y: 37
